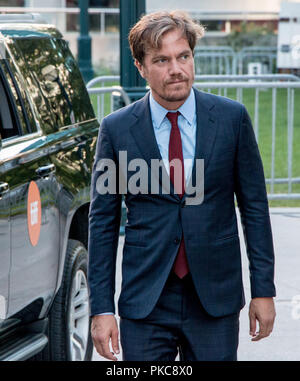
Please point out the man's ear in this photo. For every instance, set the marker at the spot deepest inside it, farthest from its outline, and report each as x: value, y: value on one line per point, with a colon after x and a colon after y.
x: 140, y: 68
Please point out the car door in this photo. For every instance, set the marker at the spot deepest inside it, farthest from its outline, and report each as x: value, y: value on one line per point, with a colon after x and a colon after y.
x: 34, y: 218
x: 4, y: 243
x: 7, y: 130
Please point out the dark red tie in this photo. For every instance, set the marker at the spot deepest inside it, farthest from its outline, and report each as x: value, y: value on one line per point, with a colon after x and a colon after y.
x: 175, y: 152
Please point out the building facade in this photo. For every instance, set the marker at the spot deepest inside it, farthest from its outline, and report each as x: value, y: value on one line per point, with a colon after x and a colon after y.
x: 220, y: 18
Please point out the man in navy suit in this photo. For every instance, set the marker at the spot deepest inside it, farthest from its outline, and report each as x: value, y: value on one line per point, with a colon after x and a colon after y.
x: 182, y: 285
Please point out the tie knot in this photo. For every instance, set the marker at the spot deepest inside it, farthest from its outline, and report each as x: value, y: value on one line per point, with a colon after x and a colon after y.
x: 173, y: 117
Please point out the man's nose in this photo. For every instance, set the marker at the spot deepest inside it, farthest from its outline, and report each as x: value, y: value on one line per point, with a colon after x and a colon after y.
x: 174, y: 67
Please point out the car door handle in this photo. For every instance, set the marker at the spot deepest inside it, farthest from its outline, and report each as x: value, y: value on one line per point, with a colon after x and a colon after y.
x: 4, y: 188
x: 46, y: 170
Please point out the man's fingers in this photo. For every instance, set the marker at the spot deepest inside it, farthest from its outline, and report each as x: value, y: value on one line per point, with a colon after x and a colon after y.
x: 261, y: 309
x: 261, y: 335
x: 115, y: 341
x: 104, y: 328
x: 265, y: 330
x: 101, y: 343
x: 104, y: 351
x: 252, y: 320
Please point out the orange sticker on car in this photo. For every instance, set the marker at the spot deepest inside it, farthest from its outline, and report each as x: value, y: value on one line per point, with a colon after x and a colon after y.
x: 34, y: 213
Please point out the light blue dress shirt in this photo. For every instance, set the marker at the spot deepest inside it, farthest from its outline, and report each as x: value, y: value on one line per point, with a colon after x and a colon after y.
x: 187, y: 123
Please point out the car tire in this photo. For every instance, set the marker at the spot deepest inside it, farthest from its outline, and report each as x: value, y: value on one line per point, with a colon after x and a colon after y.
x: 69, y: 322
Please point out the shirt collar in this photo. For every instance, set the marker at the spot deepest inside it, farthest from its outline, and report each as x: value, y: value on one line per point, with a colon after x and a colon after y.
x: 187, y: 110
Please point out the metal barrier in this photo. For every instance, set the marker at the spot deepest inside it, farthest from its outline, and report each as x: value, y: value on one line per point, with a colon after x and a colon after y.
x: 207, y: 77
x: 102, y: 80
x: 223, y: 60
x: 274, y: 87
x: 263, y: 54
x: 250, y: 78
x: 215, y: 60
x: 245, y: 77
x: 100, y: 98
x: 100, y: 95
x: 234, y: 88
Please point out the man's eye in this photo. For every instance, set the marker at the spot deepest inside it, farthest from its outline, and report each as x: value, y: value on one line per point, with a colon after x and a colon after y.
x: 185, y: 57
x: 160, y: 60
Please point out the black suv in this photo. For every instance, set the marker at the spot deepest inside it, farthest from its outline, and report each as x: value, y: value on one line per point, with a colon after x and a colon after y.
x: 48, y: 137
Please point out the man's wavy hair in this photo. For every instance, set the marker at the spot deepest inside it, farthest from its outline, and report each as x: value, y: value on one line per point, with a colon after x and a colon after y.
x: 148, y: 31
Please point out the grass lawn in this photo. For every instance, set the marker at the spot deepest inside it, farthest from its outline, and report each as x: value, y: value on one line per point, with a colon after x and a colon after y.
x: 265, y: 135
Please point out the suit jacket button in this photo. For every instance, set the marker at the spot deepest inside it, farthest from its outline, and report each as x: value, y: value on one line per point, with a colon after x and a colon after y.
x: 183, y: 204
x: 176, y: 241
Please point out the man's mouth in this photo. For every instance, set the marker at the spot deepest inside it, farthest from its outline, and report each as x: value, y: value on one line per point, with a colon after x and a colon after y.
x: 175, y: 82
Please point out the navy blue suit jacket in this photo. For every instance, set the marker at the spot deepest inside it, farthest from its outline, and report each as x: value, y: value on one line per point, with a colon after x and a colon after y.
x: 156, y: 222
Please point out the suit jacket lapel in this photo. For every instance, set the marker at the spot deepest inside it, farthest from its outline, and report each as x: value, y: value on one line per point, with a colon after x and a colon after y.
x: 207, y: 125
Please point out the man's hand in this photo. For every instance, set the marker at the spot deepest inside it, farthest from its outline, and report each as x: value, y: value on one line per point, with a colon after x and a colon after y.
x: 103, y: 328
x: 263, y: 310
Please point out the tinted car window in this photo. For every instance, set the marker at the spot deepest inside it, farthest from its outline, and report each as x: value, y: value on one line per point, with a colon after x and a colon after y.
x: 9, y: 123
x: 24, y: 109
x: 50, y: 67
x: 31, y: 87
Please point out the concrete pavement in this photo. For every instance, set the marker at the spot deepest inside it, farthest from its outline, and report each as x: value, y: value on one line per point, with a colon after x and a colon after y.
x: 284, y: 342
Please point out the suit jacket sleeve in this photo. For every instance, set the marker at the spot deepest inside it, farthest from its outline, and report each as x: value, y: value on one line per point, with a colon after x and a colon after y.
x: 104, y: 226
x: 250, y: 190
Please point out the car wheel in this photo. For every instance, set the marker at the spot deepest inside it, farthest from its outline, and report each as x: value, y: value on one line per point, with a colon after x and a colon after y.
x: 69, y: 321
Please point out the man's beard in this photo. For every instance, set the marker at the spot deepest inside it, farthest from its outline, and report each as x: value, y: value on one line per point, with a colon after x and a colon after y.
x: 176, y: 97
